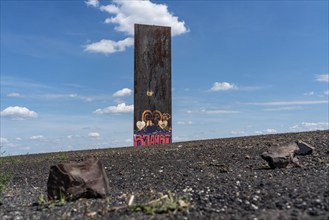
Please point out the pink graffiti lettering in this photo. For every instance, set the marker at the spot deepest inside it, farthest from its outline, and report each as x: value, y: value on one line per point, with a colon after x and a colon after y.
x: 150, y: 139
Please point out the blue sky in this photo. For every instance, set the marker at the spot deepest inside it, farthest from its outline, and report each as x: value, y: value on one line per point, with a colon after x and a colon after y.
x: 238, y: 67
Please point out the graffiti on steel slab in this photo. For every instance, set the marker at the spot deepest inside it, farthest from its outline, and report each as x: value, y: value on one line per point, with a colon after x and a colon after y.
x: 153, y: 128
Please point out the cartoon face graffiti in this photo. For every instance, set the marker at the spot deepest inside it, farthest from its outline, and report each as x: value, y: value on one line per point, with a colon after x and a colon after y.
x: 155, y: 119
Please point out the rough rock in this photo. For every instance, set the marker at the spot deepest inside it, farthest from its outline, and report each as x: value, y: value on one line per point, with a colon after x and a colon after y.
x: 74, y: 180
x: 281, y: 156
x: 304, y: 148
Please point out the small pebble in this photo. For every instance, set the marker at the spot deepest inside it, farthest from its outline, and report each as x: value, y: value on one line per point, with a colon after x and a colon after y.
x: 254, y: 206
x: 318, y: 200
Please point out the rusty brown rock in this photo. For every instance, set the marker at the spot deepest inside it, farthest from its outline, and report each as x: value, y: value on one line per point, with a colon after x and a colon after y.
x: 74, y: 180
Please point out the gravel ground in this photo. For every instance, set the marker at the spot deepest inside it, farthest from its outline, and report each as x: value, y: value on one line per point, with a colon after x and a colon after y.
x: 216, y: 179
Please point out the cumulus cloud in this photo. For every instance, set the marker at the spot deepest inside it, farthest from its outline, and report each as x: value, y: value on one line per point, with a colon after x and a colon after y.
x: 17, y: 112
x: 223, y: 86
x: 93, y: 3
x: 322, y: 78
x: 123, y: 92
x: 310, y: 126
x: 120, y: 108
x: 109, y: 46
x: 94, y: 135
x: 38, y: 138
x: 14, y: 94
x: 125, y: 14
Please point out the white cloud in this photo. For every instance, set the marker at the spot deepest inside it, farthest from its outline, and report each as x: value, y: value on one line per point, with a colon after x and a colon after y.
x: 94, y: 135
x: 322, y: 78
x: 120, y: 108
x: 289, y: 108
x: 14, y: 82
x: 271, y: 131
x: 309, y: 102
x: 267, y: 131
x: 309, y: 93
x: 79, y: 97
x: 109, y: 46
x: 73, y: 95
x: 310, y: 126
x: 14, y: 94
x: 184, y: 123
x: 126, y: 14
x: 223, y: 86
x: 38, y: 138
x: 239, y: 132
x: 17, y: 112
x: 3, y: 141
x: 221, y: 112
x: 67, y: 96
x: 93, y: 3
x: 326, y: 92
x: 218, y: 111
x: 123, y: 92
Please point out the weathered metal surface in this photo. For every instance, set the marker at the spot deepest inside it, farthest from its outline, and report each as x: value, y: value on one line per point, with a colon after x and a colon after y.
x: 152, y: 89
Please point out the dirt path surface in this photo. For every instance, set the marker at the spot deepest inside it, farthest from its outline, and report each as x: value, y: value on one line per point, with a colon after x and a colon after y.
x: 209, y: 179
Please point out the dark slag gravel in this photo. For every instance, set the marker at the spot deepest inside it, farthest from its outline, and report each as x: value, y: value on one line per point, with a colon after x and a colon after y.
x: 223, y: 178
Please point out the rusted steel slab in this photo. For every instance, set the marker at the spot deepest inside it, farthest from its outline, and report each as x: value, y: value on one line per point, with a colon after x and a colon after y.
x: 152, y: 85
